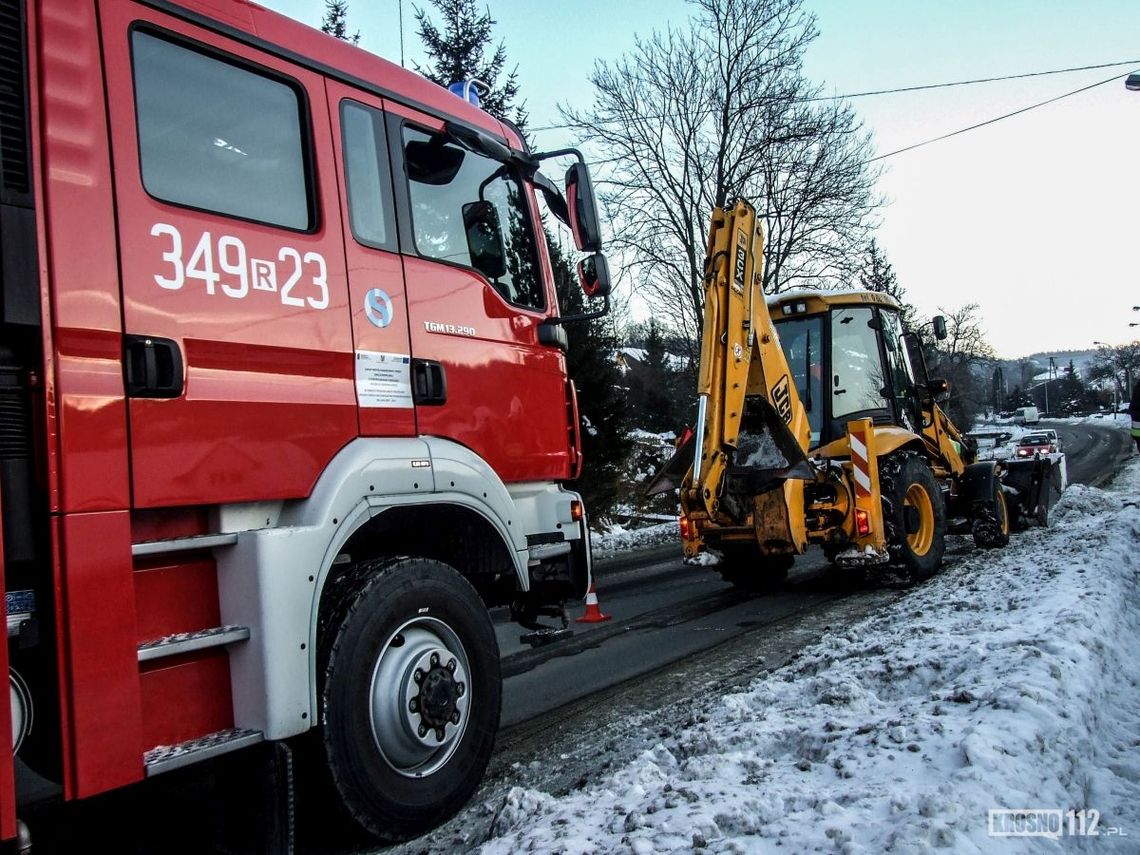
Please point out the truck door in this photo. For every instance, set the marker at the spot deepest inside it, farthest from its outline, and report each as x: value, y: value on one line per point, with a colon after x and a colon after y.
x: 377, y: 299
x: 238, y: 345
x: 482, y: 377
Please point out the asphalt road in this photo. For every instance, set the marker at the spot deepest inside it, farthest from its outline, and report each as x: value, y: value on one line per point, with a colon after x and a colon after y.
x: 1092, y: 450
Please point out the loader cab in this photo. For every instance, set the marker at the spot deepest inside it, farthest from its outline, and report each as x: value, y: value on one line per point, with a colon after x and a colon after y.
x: 848, y: 360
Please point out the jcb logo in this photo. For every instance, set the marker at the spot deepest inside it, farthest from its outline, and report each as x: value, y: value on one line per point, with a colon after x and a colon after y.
x: 782, y: 399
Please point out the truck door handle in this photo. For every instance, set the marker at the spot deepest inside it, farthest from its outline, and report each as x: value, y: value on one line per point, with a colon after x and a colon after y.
x: 429, y: 382
x: 153, y: 367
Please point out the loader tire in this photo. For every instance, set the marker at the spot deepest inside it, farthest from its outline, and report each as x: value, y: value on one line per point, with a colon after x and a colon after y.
x: 990, y: 520
x: 746, y: 569
x: 913, y: 513
x: 410, y: 695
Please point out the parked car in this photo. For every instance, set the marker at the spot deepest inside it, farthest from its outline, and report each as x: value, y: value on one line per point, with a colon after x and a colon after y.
x: 1033, y: 444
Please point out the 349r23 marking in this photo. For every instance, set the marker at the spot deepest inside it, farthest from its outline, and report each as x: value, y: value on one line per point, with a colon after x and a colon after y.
x: 242, y: 274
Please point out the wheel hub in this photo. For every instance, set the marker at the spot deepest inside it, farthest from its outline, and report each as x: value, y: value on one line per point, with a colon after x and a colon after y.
x: 437, y: 701
x: 420, y: 697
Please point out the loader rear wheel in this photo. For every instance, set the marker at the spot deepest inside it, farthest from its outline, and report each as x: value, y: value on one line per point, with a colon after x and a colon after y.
x: 990, y: 521
x: 410, y: 696
x: 913, y: 513
x: 746, y: 569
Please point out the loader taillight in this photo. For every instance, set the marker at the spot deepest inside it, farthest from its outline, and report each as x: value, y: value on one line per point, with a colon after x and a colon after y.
x: 862, y: 522
x: 686, y: 528
x: 576, y: 511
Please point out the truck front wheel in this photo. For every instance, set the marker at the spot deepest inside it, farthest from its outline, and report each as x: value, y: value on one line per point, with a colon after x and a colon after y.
x: 914, y: 514
x: 410, y: 696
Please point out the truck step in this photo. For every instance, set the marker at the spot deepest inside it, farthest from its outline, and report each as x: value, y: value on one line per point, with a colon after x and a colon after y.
x: 188, y: 642
x: 182, y: 544
x: 163, y: 758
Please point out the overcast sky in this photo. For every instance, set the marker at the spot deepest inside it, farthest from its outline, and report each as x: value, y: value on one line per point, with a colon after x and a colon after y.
x: 1034, y: 218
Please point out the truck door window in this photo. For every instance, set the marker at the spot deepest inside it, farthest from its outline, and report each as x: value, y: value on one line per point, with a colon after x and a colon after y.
x: 858, y: 379
x: 367, y: 176
x: 443, y: 179
x: 219, y: 137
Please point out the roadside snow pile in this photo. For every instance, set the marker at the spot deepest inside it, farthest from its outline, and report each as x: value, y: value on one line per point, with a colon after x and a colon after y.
x: 620, y: 539
x: 1010, y: 681
x: 1122, y: 420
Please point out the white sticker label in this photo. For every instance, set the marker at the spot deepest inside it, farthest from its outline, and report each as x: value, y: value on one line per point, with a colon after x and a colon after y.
x: 383, y: 379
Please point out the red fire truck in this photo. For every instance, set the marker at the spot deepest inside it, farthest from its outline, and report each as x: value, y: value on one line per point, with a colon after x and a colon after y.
x: 283, y: 404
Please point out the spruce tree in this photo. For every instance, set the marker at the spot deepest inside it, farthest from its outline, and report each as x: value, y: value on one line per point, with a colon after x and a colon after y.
x: 879, y: 275
x: 335, y: 22
x: 601, y: 406
x: 458, y: 52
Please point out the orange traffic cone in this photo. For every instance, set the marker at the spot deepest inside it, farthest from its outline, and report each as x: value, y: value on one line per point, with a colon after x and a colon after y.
x: 593, y: 613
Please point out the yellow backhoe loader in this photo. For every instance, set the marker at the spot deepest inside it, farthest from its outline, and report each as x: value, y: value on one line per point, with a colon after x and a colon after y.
x: 817, y: 424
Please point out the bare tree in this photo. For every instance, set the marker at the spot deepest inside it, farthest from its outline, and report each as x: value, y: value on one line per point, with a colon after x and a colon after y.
x: 1120, y: 365
x: 692, y: 117
x: 965, y: 359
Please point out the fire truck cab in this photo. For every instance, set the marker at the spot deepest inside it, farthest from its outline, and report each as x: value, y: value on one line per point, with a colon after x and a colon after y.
x: 283, y: 404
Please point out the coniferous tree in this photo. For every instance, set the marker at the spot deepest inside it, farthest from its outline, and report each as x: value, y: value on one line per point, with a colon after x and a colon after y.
x: 335, y: 22
x: 878, y: 274
x: 601, y: 405
x: 459, y: 52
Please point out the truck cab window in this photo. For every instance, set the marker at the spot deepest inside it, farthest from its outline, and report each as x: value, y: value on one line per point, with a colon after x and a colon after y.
x: 367, y: 175
x: 444, y: 181
x: 219, y: 137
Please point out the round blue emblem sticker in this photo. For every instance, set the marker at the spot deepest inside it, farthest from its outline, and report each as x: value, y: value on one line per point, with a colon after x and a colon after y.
x: 378, y: 307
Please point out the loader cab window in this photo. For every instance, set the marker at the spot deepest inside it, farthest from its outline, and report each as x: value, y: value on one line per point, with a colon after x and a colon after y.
x: 219, y: 137
x: 453, y: 189
x: 858, y: 379
x: 900, y: 370
x: 802, y: 342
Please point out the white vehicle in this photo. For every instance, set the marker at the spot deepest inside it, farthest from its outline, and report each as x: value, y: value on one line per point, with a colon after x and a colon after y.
x: 1026, y: 416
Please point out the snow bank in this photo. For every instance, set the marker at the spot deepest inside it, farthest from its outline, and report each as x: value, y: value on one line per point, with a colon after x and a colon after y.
x: 1012, y: 680
x: 621, y: 539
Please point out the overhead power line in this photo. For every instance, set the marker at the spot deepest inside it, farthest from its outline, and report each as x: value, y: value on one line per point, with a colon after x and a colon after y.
x: 925, y: 86
x: 995, y: 119
x: 921, y: 87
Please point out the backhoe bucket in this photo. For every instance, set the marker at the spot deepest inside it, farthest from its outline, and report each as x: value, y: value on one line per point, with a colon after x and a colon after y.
x: 670, y: 475
x: 1033, y: 486
x: 767, y: 453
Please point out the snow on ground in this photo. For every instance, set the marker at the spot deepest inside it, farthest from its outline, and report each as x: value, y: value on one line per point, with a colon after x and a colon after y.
x: 621, y: 539
x: 1011, y: 680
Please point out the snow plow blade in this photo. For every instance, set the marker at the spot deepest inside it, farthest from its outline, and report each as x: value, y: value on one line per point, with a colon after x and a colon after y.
x: 1032, y: 488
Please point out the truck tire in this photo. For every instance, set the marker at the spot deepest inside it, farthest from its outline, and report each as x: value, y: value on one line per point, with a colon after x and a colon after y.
x: 745, y: 568
x: 990, y: 520
x: 913, y: 513
x: 410, y: 696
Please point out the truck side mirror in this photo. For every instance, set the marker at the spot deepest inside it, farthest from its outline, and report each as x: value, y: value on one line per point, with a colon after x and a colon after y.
x: 594, y: 275
x: 583, y: 209
x: 484, y: 239
x: 939, y: 327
